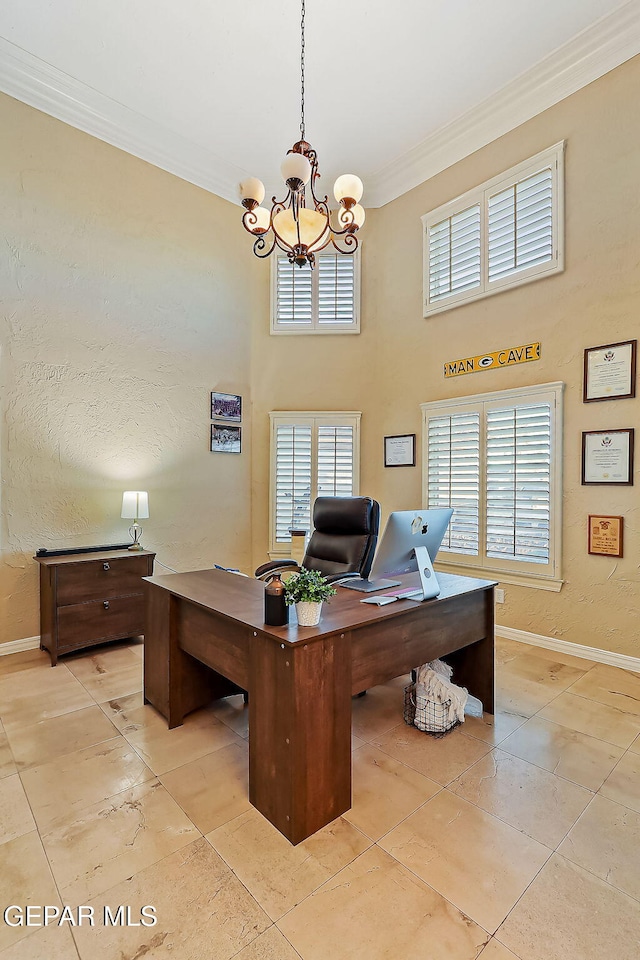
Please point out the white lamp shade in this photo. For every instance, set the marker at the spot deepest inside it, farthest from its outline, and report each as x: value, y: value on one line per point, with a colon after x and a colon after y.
x: 252, y: 189
x: 348, y: 186
x: 135, y: 505
x: 313, y: 228
x: 295, y: 166
x: 344, y: 216
x: 263, y: 220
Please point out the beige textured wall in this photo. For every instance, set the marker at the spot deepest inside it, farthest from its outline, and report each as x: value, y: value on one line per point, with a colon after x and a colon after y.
x: 125, y: 297
x: 396, y: 362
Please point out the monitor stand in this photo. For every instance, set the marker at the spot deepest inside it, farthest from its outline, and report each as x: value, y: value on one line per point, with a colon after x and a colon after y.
x: 368, y: 586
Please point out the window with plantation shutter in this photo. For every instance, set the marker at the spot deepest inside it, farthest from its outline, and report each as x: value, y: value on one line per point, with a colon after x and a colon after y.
x: 496, y: 459
x: 323, y: 300
x: 503, y: 233
x: 312, y: 454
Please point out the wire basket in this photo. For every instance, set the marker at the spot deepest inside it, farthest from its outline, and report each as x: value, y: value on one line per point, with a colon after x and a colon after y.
x: 432, y: 717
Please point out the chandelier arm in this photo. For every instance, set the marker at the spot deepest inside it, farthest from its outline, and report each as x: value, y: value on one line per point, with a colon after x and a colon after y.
x: 347, y: 217
x: 350, y: 241
x: 259, y: 247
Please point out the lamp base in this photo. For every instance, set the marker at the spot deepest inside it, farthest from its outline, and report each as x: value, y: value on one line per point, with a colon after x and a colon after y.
x: 135, y: 546
x: 135, y: 532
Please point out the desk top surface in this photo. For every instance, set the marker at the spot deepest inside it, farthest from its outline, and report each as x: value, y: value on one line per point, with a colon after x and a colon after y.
x: 242, y: 599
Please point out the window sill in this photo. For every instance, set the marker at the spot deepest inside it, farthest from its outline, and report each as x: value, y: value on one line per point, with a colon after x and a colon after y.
x: 552, y: 584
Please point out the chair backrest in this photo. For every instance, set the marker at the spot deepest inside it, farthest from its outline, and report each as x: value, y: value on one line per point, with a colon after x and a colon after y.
x: 344, y: 537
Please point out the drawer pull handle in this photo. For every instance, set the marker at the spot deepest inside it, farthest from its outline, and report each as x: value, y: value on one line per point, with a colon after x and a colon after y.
x: 105, y: 604
x: 105, y: 566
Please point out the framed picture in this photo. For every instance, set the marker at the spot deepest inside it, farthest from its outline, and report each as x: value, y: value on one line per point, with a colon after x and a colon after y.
x: 607, y: 457
x: 225, y: 438
x: 400, y: 451
x: 610, y: 371
x: 605, y: 535
x: 226, y: 406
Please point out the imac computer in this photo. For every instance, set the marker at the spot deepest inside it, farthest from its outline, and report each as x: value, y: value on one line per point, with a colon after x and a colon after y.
x: 405, y: 530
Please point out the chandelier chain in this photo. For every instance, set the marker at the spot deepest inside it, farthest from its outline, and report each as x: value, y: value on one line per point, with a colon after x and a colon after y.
x: 302, y: 71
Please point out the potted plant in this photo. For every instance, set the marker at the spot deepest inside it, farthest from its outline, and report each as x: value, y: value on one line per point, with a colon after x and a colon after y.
x: 307, y: 590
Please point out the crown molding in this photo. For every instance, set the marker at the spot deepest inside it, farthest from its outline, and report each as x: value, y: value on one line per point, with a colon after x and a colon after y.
x: 592, y: 53
x: 40, y: 85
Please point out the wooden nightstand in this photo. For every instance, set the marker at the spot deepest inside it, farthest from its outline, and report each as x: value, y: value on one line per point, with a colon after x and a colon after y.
x: 89, y: 598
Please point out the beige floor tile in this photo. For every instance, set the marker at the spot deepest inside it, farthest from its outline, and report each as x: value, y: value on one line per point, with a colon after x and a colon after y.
x: 381, y: 709
x: 531, y: 799
x: 114, y: 839
x: 595, y: 719
x: 610, y: 685
x: 568, y: 914
x: 109, y: 672
x: 63, y: 787
x: 492, y: 728
x: 565, y: 752
x: 384, y: 791
x: 26, y: 660
x: 130, y: 714
x: 635, y: 746
x: 270, y: 945
x: 605, y: 840
x: 7, y: 764
x: 48, y: 943
x: 440, y: 758
x: 25, y: 878
x: 506, y: 650
x: 203, y: 912
x: 374, y: 909
x: 494, y: 950
x: 623, y: 784
x: 476, y: 861
x: 50, y: 739
x: 15, y: 813
x: 234, y: 712
x: 277, y: 874
x: 212, y: 789
x: 39, y: 694
x: 526, y: 684
x: 163, y: 749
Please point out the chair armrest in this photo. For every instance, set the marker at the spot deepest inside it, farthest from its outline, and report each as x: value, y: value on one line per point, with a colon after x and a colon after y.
x: 273, y: 566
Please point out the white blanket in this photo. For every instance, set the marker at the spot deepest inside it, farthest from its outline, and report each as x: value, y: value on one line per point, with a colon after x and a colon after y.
x: 434, y: 686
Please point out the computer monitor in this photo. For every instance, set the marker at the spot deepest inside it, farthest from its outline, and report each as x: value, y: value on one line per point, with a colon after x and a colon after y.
x: 405, y: 530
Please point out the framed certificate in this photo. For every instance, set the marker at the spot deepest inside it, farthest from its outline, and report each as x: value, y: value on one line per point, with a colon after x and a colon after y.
x: 610, y: 371
x: 400, y: 451
x: 605, y: 536
x: 607, y: 457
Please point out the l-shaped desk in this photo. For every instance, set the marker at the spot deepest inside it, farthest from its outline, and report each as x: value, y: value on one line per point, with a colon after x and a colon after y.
x: 205, y: 638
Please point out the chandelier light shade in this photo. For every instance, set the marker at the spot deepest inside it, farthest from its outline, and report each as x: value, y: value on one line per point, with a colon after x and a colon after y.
x: 301, y: 223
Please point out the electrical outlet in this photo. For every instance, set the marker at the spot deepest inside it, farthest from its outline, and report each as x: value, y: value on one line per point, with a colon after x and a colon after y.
x: 499, y: 595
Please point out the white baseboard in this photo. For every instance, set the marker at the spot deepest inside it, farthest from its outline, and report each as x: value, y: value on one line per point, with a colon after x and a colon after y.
x: 19, y: 646
x: 574, y: 649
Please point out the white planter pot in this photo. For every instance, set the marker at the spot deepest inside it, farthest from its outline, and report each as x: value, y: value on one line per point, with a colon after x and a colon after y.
x: 308, y: 613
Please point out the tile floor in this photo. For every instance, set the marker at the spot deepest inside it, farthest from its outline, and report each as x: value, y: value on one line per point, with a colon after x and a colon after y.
x: 509, y: 839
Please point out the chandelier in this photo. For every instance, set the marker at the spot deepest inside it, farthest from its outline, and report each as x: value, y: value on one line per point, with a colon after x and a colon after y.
x: 301, y: 230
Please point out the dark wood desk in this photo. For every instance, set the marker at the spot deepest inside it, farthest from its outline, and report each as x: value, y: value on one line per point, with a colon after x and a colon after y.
x: 205, y: 638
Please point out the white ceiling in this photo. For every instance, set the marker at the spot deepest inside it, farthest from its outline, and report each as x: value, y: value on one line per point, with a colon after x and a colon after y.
x: 395, y: 91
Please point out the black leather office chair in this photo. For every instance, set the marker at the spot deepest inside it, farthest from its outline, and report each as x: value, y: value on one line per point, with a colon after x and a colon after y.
x: 343, y: 541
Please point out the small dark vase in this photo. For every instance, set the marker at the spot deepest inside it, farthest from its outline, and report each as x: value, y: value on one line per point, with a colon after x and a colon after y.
x: 276, y: 612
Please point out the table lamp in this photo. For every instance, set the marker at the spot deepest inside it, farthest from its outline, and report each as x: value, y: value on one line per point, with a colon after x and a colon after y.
x: 135, y: 506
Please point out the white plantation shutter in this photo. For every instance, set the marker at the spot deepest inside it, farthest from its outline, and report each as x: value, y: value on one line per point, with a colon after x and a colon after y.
x: 505, y: 232
x: 323, y: 300
x: 293, y: 293
x: 335, y: 461
x: 293, y: 479
x: 454, y: 253
x: 312, y: 455
x: 521, y: 225
x: 336, y: 289
x: 453, y: 465
x: 519, y: 482
x: 496, y: 459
